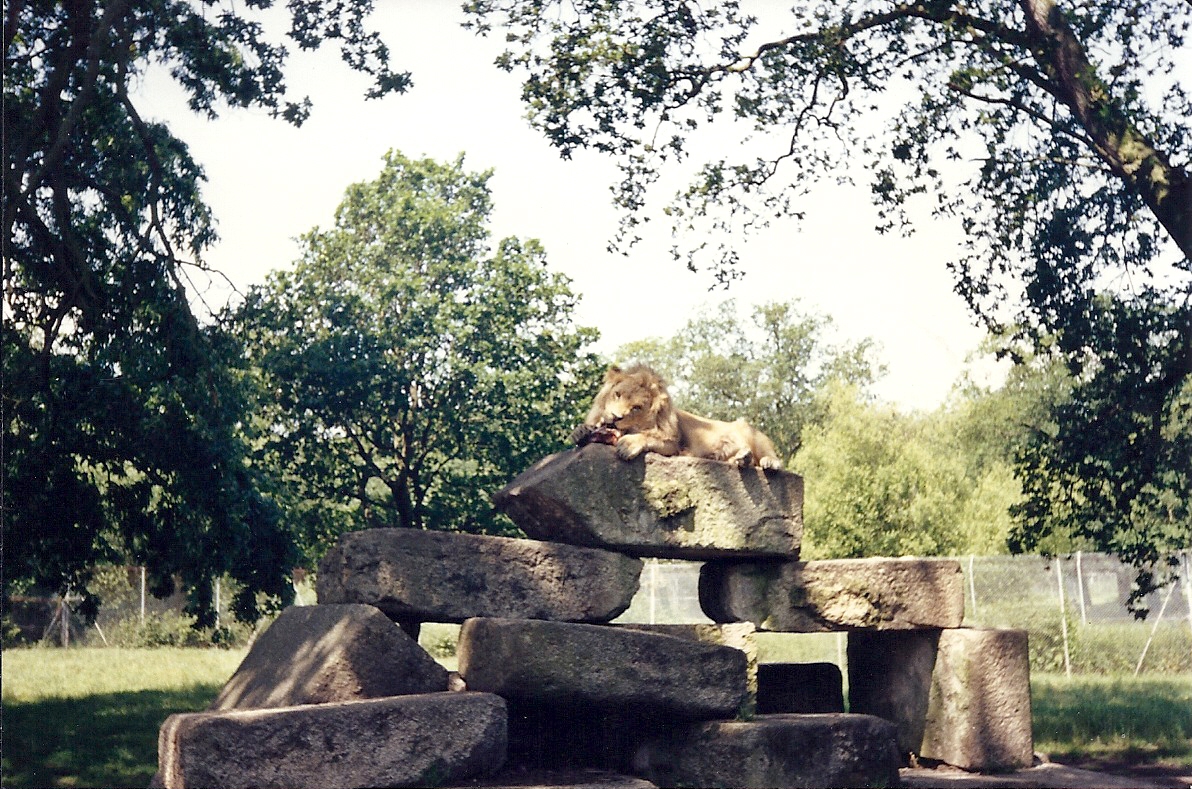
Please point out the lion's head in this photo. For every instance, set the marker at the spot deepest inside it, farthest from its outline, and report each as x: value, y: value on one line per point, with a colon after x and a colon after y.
x: 633, y: 399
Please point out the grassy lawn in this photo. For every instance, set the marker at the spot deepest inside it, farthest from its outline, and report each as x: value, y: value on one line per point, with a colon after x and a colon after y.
x: 1106, y: 720
x: 89, y: 717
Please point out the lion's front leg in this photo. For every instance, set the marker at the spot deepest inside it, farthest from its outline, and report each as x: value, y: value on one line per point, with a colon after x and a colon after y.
x: 633, y: 444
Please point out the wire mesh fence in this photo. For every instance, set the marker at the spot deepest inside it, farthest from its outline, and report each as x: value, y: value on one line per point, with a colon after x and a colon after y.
x: 1074, y: 607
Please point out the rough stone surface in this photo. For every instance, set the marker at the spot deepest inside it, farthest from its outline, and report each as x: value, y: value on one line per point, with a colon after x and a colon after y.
x: 738, y: 635
x: 775, y: 751
x: 979, y: 714
x: 837, y: 594
x: 449, y: 577
x: 799, y: 687
x: 324, y: 653
x: 424, y: 740
x: 679, y: 508
x: 515, y: 778
x: 889, y: 675
x: 558, y: 663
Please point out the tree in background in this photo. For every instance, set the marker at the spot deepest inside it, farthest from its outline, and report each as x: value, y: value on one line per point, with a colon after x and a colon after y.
x: 120, y: 416
x: 1056, y: 132
x: 770, y: 370
x: 407, y: 369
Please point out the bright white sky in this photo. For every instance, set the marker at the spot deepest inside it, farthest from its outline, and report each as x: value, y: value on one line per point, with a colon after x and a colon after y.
x: 269, y: 183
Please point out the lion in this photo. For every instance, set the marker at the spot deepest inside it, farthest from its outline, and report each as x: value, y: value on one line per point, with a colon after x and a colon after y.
x: 633, y: 411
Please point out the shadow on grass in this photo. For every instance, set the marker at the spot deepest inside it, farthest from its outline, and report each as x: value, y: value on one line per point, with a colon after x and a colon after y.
x: 107, y: 740
x: 1127, y: 720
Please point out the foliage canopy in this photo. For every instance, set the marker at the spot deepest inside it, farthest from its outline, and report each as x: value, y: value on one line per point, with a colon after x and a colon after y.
x: 121, y: 416
x: 407, y: 370
x: 1056, y: 133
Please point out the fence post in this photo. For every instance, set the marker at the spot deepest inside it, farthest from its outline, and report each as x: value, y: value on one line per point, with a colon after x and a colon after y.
x: 1146, y: 647
x: 1187, y: 567
x: 1084, y: 617
x: 142, y: 594
x: 972, y: 587
x: 1059, y: 574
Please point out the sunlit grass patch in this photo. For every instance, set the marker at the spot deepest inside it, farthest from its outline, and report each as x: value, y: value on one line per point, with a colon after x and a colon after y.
x: 90, y: 717
x: 1130, y: 718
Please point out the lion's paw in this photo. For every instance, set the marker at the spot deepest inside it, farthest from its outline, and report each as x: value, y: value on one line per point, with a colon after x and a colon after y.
x: 580, y: 433
x: 771, y: 464
x: 630, y: 447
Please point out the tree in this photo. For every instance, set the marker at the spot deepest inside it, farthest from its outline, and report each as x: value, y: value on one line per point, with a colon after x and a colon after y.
x: 885, y: 483
x: 769, y: 370
x: 1056, y: 133
x: 120, y: 413
x: 408, y: 369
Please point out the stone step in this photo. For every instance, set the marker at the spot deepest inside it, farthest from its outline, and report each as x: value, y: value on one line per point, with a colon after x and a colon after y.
x: 677, y: 508
x: 835, y: 594
x: 427, y: 576
x: 327, y: 653
x: 558, y: 663
x: 775, y: 751
x: 425, y: 740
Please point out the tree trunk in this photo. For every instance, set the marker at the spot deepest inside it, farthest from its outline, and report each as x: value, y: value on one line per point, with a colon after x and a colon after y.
x: 1165, y: 188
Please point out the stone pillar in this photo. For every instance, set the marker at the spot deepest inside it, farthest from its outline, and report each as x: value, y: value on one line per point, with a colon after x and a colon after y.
x: 890, y: 676
x: 979, y: 715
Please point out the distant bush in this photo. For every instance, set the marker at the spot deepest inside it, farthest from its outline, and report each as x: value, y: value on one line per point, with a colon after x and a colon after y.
x: 170, y: 629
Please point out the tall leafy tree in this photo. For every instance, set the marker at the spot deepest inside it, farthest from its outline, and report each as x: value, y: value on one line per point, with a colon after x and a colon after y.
x: 1056, y: 132
x: 120, y: 413
x: 886, y: 483
x: 770, y: 369
x: 408, y: 368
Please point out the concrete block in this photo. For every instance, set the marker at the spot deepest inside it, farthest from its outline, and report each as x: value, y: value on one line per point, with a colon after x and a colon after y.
x: 554, y: 662
x: 679, y: 508
x: 738, y: 635
x: 889, y: 675
x: 979, y: 714
x: 775, y: 751
x: 425, y: 740
x: 428, y: 576
x: 837, y: 594
x: 324, y: 653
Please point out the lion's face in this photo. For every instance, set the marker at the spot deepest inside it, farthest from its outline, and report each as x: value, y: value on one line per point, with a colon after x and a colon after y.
x: 632, y: 401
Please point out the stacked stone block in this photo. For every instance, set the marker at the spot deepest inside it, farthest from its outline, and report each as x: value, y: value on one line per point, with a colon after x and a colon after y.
x: 341, y: 695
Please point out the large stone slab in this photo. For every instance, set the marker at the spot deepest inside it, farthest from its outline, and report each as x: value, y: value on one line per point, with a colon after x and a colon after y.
x: 519, y: 778
x: 889, y: 675
x: 429, y: 576
x: 678, y: 508
x: 324, y: 653
x: 837, y: 594
x: 738, y: 635
x: 979, y: 714
x: 558, y: 663
x: 775, y: 751
x: 425, y: 740
x: 957, y: 696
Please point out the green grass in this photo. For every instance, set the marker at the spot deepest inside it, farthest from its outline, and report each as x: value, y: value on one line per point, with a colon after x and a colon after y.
x: 1113, y: 719
x: 89, y: 717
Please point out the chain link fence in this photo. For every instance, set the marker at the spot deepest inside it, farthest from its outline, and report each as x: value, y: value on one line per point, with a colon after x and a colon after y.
x: 1074, y: 607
